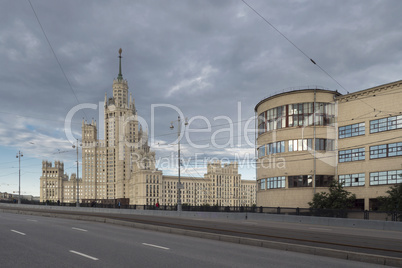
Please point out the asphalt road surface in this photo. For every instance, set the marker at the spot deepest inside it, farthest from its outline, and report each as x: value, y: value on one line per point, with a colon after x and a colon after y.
x: 34, y: 241
x: 373, y: 242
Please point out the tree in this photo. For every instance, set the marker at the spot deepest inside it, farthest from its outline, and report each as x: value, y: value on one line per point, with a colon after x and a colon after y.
x: 336, y: 199
x: 392, y: 202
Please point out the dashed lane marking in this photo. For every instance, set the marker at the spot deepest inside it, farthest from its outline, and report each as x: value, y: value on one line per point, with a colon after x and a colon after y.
x: 17, y: 232
x: 79, y: 229
x: 155, y: 246
x: 84, y: 255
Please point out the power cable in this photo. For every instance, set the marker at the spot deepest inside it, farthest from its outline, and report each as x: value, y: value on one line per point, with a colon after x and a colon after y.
x: 55, y: 56
x: 284, y: 36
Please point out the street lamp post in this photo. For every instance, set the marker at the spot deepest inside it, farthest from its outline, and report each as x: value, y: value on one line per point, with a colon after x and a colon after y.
x: 19, y: 155
x: 78, y: 189
x: 179, y: 186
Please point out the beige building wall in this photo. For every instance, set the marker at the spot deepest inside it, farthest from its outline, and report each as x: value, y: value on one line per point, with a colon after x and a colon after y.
x: 362, y: 107
x: 248, y: 193
x: 221, y: 185
x: 350, y: 111
x: 226, y: 183
x: 69, y: 188
x: 277, y: 167
x: 55, y: 184
x: 195, y: 192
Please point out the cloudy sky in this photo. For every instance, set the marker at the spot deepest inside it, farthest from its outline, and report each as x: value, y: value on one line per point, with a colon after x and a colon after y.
x: 212, y: 61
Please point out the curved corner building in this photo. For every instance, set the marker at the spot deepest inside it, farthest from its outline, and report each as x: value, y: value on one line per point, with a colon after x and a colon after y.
x: 286, y: 144
x: 355, y: 138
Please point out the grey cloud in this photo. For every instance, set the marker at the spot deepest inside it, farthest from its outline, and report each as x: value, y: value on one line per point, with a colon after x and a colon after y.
x: 170, y: 44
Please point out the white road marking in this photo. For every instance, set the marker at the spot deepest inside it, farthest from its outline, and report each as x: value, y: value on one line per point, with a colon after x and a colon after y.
x: 322, y: 229
x: 17, y: 232
x: 79, y: 229
x: 155, y: 246
x: 84, y: 255
x: 31, y: 220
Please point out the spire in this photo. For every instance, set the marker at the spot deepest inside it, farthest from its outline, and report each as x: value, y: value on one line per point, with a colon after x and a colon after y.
x: 120, y: 76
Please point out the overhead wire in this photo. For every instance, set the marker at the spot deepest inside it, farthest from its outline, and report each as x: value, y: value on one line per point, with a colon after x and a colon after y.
x: 299, y: 49
x: 293, y: 44
x: 55, y: 56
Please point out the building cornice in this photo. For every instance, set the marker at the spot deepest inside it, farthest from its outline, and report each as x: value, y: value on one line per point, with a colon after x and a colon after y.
x: 370, y: 92
x: 296, y: 92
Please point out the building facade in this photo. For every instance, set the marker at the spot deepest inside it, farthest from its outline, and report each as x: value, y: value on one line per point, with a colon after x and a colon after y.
x: 221, y: 185
x: 56, y: 185
x: 307, y: 138
x: 122, y: 166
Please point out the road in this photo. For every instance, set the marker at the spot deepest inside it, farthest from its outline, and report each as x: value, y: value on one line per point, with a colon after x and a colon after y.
x: 358, y: 240
x: 35, y: 241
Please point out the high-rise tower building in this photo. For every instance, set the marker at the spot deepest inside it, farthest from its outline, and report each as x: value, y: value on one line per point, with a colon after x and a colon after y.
x: 122, y: 166
x: 108, y: 165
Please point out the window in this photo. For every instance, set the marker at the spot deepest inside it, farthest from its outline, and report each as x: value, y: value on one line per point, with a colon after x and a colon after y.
x: 352, y: 130
x: 276, y: 147
x: 261, y: 123
x: 300, y: 145
x: 276, y: 118
x: 351, y: 180
x: 351, y: 155
x: 323, y: 180
x: 262, y: 184
x: 386, y: 150
x: 298, y: 114
x: 300, y: 181
x: 385, y: 124
x: 275, y: 182
x: 271, y: 148
x: 324, y: 145
x: 386, y: 177
x: 261, y: 151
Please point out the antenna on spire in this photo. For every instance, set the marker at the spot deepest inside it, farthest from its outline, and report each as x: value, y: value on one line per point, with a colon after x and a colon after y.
x: 120, y: 76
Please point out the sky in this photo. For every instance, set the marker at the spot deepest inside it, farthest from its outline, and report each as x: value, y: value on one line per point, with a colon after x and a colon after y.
x: 210, y: 61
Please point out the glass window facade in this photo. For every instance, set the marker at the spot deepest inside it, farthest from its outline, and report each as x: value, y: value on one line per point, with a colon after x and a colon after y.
x: 352, y: 130
x: 351, y: 155
x: 276, y: 182
x: 323, y: 180
x: 386, y: 177
x: 324, y: 145
x: 300, y: 181
x: 350, y: 180
x: 262, y: 184
x: 306, y: 145
x: 276, y: 147
x: 386, y: 150
x: 307, y: 181
x: 261, y: 151
x: 271, y: 148
x: 298, y: 114
x: 300, y: 145
x: 385, y: 124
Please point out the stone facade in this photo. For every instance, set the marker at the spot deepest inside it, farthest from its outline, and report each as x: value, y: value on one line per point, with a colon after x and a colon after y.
x: 55, y: 185
x: 122, y: 166
x: 358, y: 140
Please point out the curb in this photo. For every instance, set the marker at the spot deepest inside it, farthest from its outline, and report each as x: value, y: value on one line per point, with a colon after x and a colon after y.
x: 325, y: 252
